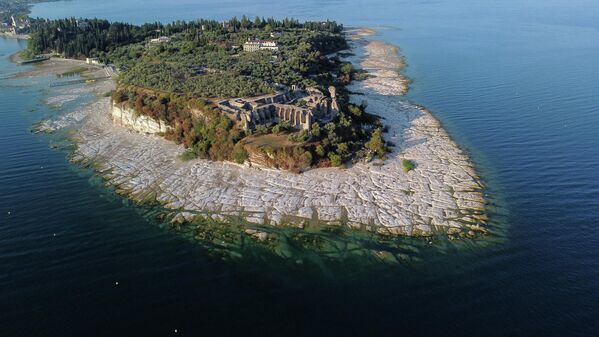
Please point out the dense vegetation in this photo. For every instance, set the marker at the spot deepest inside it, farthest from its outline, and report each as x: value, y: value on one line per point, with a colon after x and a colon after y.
x: 197, y: 125
x: 202, y: 61
x: 208, y: 133
x: 81, y: 38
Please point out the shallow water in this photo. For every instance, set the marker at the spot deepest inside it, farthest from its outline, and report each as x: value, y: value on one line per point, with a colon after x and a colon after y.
x: 514, y: 83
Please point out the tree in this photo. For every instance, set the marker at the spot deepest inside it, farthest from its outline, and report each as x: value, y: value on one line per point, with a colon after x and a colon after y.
x: 342, y: 149
x: 315, y: 130
x: 257, y: 22
x: 376, y: 143
x: 346, y: 68
x: 354, y: 110
x: 262, y: 129
x: 320, y: 150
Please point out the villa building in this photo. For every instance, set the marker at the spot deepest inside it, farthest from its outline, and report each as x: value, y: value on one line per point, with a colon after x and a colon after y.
x: 251, y: 46
x: 92, y: 60
x: 162, y: 39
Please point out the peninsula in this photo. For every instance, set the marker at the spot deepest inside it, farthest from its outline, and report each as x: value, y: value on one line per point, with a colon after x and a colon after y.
x: 260, y: 92
x: 273, y: 121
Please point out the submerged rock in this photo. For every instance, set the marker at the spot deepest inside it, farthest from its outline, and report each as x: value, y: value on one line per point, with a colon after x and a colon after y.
x: 260, y: 235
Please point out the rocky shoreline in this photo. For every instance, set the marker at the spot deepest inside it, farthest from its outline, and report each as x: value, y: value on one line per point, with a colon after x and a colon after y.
x: 14, y: 36
x: 384, y: 63
x: 441, y: 195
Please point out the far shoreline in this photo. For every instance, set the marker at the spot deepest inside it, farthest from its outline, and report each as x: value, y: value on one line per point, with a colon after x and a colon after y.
x: 15, y: 36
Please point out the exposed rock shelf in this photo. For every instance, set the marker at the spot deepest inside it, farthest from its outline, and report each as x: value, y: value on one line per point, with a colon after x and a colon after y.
x: 385, y: 64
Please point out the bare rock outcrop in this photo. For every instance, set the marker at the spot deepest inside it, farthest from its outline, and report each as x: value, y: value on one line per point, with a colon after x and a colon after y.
x: 129, y: 118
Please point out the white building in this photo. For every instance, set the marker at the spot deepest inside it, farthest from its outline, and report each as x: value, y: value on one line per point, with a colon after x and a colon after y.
x: 251, y: 46
x: 162, y: 39
x: 92, y: 60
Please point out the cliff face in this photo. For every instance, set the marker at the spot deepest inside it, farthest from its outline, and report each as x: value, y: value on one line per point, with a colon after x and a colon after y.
x: 140, y: 123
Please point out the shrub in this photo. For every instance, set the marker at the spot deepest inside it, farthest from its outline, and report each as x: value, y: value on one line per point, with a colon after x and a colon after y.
x: 408, y: 165
x: 298, y: 137
x: 281, y: 127
x: 220, y: 151
x: 240, y: 155
x: 292, y: 159
x: 188, y: 155
x: 320, y: 150
x: 201, y: 149
x: 285, y: 126
x: 342, y: 149
x: 335, y: 159
x: 346, y: 68
x: 315, y: 130
x: 119, y: 96
x: 261, y: 129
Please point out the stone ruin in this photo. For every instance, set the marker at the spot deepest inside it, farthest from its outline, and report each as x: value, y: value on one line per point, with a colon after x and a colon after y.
x: 299, y: 107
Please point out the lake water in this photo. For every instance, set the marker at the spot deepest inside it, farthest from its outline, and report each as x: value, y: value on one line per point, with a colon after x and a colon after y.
x: 515, y: 83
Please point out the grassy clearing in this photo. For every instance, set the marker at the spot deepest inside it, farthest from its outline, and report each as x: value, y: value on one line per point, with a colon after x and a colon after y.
x: 273, y: 141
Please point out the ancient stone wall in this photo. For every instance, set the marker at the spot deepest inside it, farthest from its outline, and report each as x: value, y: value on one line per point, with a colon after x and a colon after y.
x: 273, y: 113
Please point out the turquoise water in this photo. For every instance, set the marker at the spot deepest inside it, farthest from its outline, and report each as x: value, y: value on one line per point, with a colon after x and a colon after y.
x: 514, y: 83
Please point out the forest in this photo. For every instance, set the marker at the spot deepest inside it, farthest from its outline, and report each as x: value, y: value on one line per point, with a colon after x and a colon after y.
x: 80, y: 38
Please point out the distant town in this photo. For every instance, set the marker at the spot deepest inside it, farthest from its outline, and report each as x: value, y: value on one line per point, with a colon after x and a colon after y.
x: 14, y: 20
x: 16, y: 26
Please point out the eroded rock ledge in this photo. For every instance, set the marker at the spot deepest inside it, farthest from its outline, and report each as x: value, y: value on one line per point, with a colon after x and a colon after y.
x: 140, y: 123
x: 442, y: 193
